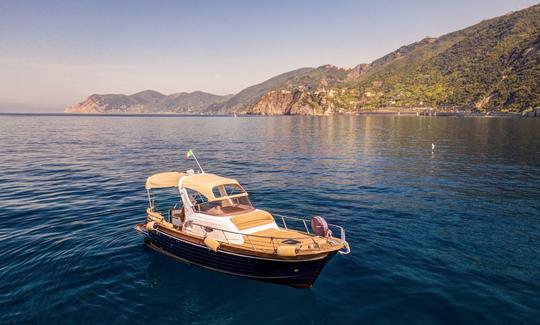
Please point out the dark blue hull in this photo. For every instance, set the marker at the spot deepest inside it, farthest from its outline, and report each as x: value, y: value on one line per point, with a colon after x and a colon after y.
x: 296, y: 273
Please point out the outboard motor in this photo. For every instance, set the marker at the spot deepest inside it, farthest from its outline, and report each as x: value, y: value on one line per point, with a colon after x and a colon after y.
x: 319, y: 226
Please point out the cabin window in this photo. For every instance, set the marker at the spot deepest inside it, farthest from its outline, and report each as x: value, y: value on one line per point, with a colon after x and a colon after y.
x: 196, y: 197
x: 227, y: 190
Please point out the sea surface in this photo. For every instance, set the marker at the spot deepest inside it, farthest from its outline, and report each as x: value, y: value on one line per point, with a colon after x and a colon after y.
x: 450, y: 235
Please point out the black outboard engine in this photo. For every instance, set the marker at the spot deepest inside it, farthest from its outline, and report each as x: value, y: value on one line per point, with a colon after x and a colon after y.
x: 319, y: 226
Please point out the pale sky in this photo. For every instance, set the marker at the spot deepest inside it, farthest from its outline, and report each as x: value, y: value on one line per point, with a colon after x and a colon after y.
x: 56, y: 53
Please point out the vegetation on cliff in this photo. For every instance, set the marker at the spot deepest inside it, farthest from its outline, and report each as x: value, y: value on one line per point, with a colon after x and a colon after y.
x: 494, y: 65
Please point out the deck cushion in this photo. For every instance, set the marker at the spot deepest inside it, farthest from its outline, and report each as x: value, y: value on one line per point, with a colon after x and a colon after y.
x: 252, y: 219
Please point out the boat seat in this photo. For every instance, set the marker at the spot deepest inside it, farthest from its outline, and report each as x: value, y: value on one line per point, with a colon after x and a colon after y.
x: 177, y: 217
x: 252, y: 219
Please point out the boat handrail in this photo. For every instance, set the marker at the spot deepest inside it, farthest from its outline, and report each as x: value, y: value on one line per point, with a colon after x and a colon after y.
x: 272, y: 238
x: 341, y: 230
x: 330, y: 226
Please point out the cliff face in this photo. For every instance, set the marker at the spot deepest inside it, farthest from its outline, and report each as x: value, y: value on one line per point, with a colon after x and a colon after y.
x: 88, y: 106
x: 273, y: 103
x: 296, y: 102
x: 297, y: 94
x: 249, y: 96
x: 282, y: 102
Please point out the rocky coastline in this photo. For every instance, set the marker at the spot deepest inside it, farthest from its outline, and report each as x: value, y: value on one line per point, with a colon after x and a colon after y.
x: 488, y: 69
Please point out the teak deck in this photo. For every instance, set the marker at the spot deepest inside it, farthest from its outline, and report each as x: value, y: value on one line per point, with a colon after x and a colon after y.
x: 308, y: 246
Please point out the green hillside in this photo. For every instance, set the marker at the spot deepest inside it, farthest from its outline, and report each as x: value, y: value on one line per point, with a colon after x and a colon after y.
x: 310, y: 79
x: 494, y: 65
x: 491, y: 66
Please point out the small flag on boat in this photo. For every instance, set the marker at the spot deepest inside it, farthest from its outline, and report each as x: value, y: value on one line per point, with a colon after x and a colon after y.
x: 190, y: 154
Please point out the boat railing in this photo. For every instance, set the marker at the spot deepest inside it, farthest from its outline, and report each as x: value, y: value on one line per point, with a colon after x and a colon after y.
x: 271, y: 243
x: 332, y: 227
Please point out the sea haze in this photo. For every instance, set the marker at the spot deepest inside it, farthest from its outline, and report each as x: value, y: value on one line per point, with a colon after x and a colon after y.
x: 448, y: 235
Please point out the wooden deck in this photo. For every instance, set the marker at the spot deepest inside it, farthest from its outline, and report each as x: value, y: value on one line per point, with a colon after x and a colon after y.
x: 271, y: 239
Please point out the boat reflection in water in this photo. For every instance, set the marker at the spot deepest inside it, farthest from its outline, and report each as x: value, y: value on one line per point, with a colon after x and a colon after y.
x: 215, y: 226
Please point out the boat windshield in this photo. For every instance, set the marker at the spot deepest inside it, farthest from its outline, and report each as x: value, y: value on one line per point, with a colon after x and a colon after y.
x: 226, y: 207
x: 227, y: 190
x: 230, y: 201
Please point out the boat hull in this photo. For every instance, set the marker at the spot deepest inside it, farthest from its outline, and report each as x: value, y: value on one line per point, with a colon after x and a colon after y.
x: 295, y: 273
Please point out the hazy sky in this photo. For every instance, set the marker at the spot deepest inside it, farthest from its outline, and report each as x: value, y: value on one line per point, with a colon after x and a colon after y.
x: 56, y: 53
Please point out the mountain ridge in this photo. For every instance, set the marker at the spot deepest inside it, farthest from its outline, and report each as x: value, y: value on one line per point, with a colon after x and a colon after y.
x: 492, y: 66
x: 148, y: 101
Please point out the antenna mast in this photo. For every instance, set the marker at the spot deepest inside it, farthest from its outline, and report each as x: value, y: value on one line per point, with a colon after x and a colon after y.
x: 202, y: 171
x: 191, y: 154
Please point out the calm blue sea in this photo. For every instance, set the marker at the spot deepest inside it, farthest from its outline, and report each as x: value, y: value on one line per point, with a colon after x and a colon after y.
x: 444, y: 236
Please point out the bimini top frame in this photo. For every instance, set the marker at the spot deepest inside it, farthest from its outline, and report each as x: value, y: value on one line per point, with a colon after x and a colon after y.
x: 163, y: 180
